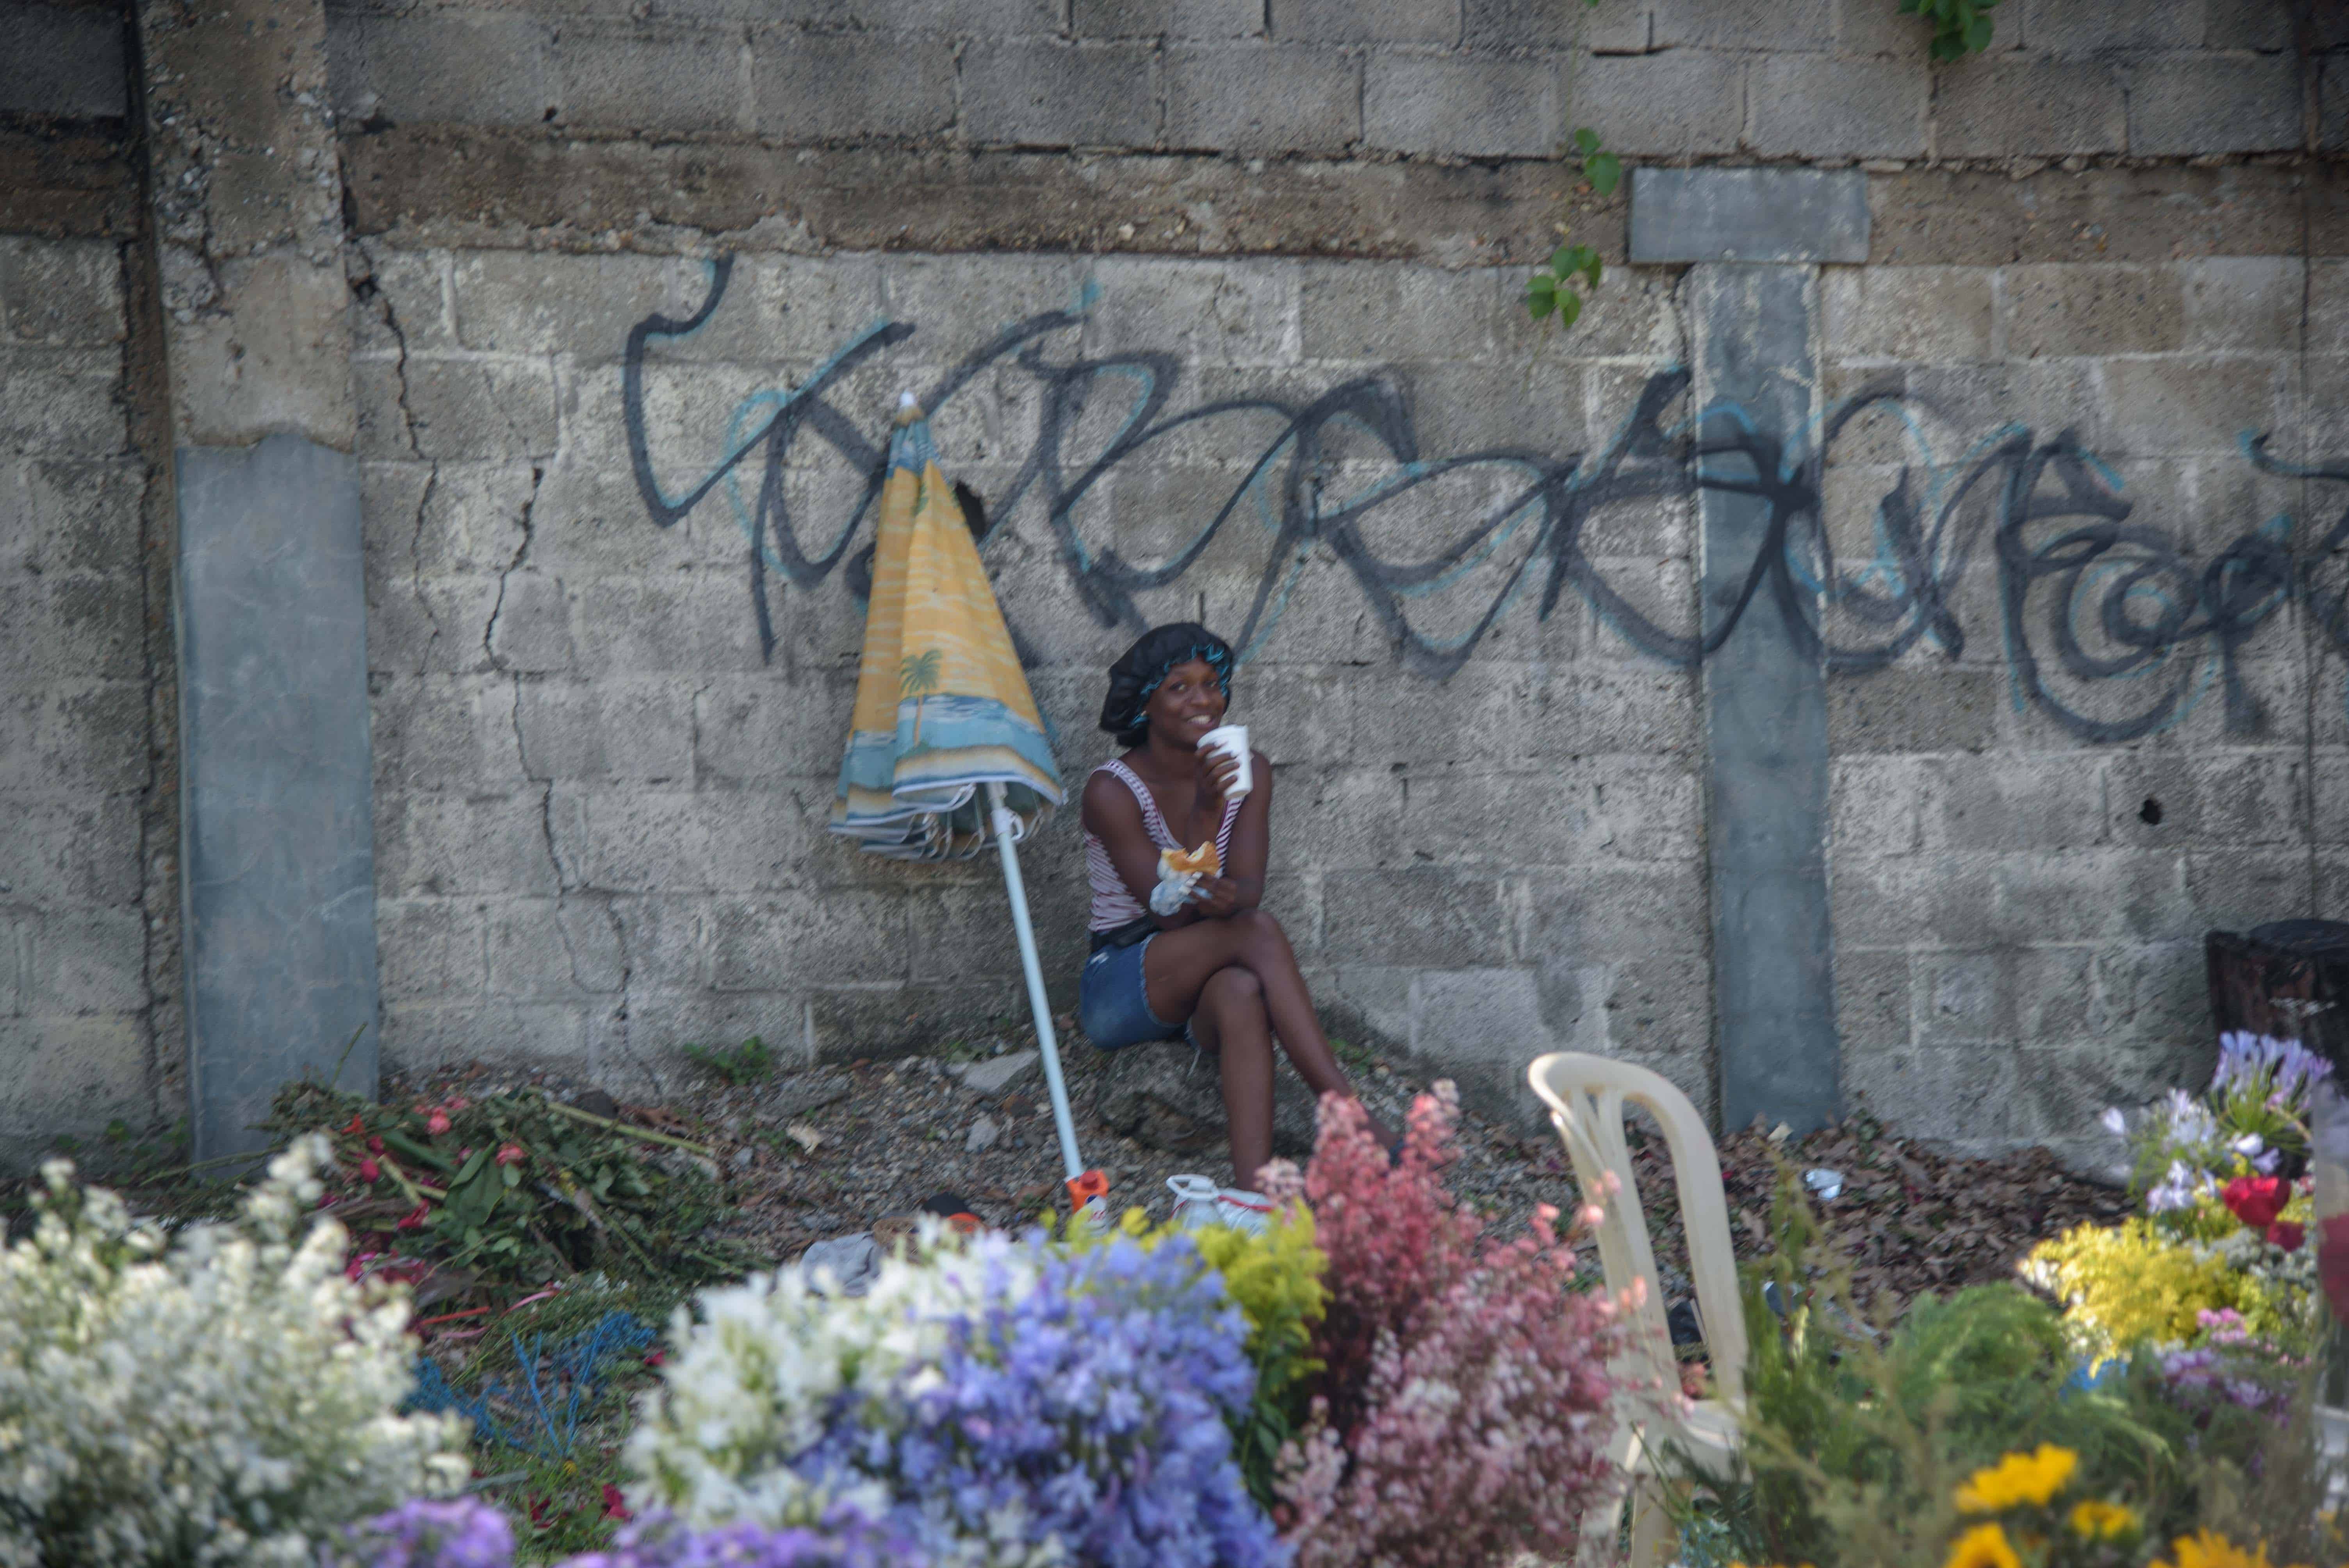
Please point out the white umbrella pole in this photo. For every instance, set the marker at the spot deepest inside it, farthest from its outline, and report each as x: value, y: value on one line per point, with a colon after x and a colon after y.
x: 1006, y: 826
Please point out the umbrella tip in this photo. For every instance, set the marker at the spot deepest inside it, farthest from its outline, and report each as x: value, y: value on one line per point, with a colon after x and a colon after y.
x: 908, y: 410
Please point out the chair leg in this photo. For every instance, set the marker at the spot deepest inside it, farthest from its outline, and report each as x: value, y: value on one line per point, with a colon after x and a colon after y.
x: 1602, y: 1527
x: 1653, y: 1540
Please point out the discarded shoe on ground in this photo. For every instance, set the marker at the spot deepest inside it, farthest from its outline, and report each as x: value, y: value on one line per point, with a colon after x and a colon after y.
x: 1199, y: 1201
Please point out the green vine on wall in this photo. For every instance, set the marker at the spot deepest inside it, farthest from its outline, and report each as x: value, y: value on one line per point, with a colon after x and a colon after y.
x: 1960, y: 27
x: 1551, y: 289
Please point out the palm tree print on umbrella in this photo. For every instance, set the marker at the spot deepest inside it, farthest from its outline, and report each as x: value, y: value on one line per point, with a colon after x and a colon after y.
x: 917, y: 677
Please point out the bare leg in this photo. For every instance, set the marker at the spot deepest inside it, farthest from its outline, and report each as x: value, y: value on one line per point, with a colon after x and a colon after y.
x: 1231, y: 1022
x: 1179, y: 964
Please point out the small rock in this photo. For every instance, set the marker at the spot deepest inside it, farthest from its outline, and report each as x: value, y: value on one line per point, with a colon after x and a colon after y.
x: 596, y: 1102
x: 988, y: 1079
x: 806, y: 1137
x: 742, y: 1158
x: 801, y: 1093
x: 982, y: 1136
x: 1166, y: 1096
x: 845, y: 1265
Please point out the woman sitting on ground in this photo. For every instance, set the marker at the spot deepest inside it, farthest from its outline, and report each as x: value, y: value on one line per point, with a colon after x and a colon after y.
x: 1216, y: 970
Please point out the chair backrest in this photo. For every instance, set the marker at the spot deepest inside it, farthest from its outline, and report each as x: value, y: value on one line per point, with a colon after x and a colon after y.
x: 1586, y: 1096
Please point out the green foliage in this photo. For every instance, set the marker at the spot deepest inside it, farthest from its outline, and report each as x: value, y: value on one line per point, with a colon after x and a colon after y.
x: 1960, y: 27
x: 515, y: 1188
x: 1601, y: 168
x: 1276, y: 1278
x: 555, y: 1496
x: 753, y: 1061
x: 143, y: 1158
x: 1858, y: 1435
x: 1551, y: 289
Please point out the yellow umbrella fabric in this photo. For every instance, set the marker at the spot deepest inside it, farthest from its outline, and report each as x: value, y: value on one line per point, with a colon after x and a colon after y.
x: 942, y: 706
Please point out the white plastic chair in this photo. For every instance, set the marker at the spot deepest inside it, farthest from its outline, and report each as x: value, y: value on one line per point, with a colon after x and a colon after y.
x: 1586, y: 1096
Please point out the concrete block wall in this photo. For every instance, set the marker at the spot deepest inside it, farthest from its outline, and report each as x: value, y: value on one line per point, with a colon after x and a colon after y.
x: 62, y: 61
x: 1457, y: 79
x: 604, y: 749
x: 78, y: 695
x: 2019, y: 900
x: 600, y: 809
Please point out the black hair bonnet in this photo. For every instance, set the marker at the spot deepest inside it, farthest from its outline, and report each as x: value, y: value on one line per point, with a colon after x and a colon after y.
x: 1141, y: 667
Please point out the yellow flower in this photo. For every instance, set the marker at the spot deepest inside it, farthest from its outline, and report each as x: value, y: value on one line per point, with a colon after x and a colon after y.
x: 2204, y: 1548
x: 2127, y: 1283
x: 2019, y: 1478
x: 1984, y: 1546
x: 2096, y: 1520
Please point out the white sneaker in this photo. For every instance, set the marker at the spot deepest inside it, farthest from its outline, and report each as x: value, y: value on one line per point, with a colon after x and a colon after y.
x: 1199, y: 1201
x: 1247, y: 1213
x: 1196, y: 1202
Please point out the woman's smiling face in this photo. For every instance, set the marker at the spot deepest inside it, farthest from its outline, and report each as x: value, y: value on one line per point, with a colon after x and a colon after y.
x: 1187, y: 703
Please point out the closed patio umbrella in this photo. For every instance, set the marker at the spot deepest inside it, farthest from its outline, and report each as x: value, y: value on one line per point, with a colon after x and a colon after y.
x: 944, y: 717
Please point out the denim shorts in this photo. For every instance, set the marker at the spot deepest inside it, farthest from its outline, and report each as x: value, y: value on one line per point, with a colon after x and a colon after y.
x: 1113, y: 1003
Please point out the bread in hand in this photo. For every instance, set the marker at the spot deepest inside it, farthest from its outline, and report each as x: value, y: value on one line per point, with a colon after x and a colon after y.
x: 1201, y: 861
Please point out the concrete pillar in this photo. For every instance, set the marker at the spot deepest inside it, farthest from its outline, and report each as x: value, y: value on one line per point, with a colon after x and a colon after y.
x: 276, y: 813
x: 1756, y: 237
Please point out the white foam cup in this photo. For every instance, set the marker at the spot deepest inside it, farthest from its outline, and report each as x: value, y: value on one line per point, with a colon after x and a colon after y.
x: 1231, y: 739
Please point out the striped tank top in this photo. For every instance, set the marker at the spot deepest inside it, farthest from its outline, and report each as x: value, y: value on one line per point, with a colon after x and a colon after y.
x: 1113, y: 903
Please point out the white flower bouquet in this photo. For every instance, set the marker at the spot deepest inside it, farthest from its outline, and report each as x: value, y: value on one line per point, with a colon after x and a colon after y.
x: 225, y: 1397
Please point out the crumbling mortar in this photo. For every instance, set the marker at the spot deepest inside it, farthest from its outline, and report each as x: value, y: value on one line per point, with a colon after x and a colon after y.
x: 521, y: 551
x: 545, y: 782
x: 416, y: 570
x: 2312, y: 655
x: 584, y: 137
x: 184, y: 149
x: 693, y: 727
x: 565, y: 884
x: 624, y: 1043
x: 1684, y: 320
x: 369, y: 291
x: 148, y: 426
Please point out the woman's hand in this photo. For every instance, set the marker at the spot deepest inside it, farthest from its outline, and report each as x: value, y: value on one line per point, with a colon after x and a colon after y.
x: 1215, y: 898
x: 1218, y: 770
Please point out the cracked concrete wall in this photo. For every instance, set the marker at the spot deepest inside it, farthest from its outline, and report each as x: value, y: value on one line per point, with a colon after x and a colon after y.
x: 1461, y: 79
x: 244, y: 185
x: 600, y: 805
x: 87, y: 1013
x: 599, y: 786
x: 91, y: 1025
x: 605, y: 748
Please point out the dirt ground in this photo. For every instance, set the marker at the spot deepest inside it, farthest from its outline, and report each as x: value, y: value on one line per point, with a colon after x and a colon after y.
x: 828, y: 1152
x: 831, y: 1150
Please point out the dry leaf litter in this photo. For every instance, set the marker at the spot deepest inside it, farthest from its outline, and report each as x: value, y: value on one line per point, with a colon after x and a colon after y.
x: 832, y: 1151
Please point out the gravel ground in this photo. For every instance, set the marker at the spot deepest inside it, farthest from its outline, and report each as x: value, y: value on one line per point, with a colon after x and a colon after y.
x: 833, y: 1150
x: 830, y: 1150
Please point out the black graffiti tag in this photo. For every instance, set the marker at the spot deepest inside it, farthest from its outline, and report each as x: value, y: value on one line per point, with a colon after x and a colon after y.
x: 2088, y: 599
